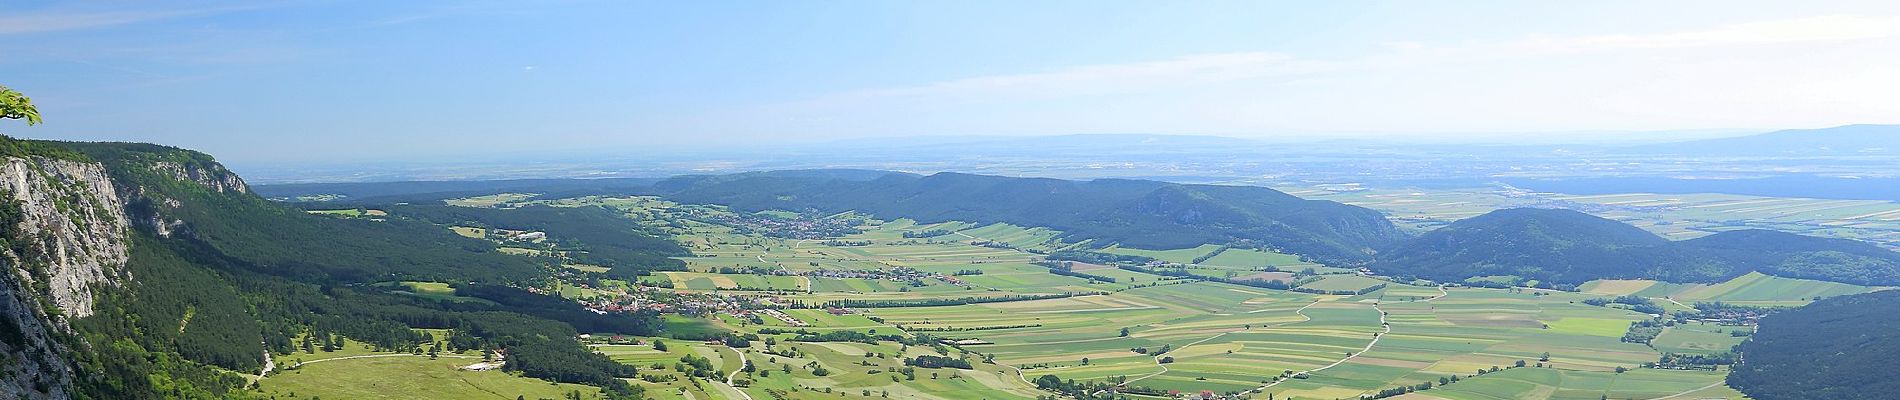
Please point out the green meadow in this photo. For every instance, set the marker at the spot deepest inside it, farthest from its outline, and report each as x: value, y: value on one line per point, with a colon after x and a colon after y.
x: 1217, y: 337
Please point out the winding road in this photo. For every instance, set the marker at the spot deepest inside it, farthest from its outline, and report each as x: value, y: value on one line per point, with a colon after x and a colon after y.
x: 1385, y: 328
x: 1164, y: 367
x: 735, y: 374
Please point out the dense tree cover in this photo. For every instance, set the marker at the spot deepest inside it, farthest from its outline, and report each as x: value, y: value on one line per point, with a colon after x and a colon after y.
x: 1095, y: 257
x: 1569, y: 247
x: 600, y: 236
x: 283, y: 241
x: 640, y: 323
x: 1066, y: 268
x: 1797, y: 256
x: 1838, y: 348
x: 1636, y: 303
x: 1143, y: 214
x: 930, y: 361
x: 218, y: 276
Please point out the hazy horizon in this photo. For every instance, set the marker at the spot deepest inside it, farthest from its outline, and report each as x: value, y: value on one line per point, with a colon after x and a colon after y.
x: 311, y: 82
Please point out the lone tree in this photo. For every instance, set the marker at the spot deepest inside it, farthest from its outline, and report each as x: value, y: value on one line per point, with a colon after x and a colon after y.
x: 14, y: 105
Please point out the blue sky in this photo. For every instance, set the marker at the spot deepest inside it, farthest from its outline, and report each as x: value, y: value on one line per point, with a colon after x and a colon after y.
x: 325, y: 80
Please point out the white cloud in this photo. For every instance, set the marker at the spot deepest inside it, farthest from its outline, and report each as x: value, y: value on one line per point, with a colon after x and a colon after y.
x: 1810, y: 29
x: 1794, y: 72
x: 66, y: 21
x: 1102, y: 78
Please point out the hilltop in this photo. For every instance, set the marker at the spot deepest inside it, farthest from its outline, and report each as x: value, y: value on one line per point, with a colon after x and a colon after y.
x: 1132, y: 213
x: 1570, y: 247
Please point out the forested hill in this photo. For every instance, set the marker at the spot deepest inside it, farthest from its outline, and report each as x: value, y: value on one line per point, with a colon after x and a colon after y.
x: 1569, y: 247
x: 187, y: 278
x: 1839, y: 348
x: 1136, y: 213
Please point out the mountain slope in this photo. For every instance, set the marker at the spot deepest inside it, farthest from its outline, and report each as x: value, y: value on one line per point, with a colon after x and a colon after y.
x: 1541, y: 244
x: 1569, y: 247
x: 1796, y: 256
x: 139, y: 271
x: 1136, y: 213
x: 1837, y: 348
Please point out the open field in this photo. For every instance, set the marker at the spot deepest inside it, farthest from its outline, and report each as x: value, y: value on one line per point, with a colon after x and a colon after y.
x: 1178, y: 256
x: 1152, y: 332
x: 1343, y: 283
x: 1699, y: 338
x: 411, y: 377
x: 1545, y: 383
x: 1751, y: 289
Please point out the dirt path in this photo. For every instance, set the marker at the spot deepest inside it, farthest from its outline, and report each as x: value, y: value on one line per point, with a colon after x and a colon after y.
x: 1386, y: 328
x: 735, y: 374
x: 269, y: 364
x: 1710, y: 386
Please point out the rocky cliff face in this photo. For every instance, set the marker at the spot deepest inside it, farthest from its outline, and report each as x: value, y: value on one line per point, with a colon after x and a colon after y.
x: 153, y: 210
x: 213, y: 176
x: 64, y: 230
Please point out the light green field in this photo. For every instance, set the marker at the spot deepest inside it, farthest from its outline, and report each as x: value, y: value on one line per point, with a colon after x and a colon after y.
x: 1178, y: 256
x: 1251, y: 259
x: 1220, y: 337
x: 1015, y: 236
x: 1699, y: 338
x: 1545, y: 383
x: 1344, y: 283
x: 469, y: 232
x: 410, y: 377
x: 495, y: 200
x: 1753, y: 288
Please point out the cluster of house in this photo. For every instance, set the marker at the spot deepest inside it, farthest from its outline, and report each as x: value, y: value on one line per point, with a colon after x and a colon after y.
x: 681, y: 302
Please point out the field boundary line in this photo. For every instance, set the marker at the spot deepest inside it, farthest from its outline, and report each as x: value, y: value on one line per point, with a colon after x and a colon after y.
x: 1387, y: 326
x: 1301, y: 312
x: 1387, y: 329
x: 1710, y: 386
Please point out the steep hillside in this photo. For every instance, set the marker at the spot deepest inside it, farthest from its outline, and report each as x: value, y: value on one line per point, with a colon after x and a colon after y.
x: 1133, y: 213
x: 142, y: 271
x: 62, y: 240
x: 1569, y: 247
x: 1838, y: 348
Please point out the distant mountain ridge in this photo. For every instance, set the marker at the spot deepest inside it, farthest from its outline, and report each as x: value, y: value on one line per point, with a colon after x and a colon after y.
x: 1136, y: 213
x: 1863, y: 139
x: 1570, y: 247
